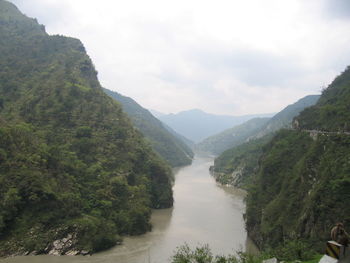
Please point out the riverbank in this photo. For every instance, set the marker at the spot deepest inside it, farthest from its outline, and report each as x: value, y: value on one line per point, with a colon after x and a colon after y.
x: 203, y: 213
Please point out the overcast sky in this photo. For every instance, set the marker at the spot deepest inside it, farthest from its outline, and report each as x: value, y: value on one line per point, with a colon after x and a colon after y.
x: 224, y: 56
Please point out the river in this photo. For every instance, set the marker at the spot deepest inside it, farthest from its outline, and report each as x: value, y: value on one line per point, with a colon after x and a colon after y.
x: 203, y: 213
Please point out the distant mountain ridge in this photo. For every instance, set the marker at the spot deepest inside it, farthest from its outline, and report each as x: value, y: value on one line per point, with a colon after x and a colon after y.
x: 255, y: 128
x: 197, y: 125
x: 229, y: 138
x: 156, y: 113
x: 168, y: 145
x: 284, y: 118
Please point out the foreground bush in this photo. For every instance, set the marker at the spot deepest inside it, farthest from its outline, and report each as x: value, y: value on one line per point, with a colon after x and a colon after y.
x: 203, y: 254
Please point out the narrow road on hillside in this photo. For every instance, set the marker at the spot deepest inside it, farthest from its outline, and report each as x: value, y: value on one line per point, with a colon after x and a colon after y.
x: 322, y: 132
x: 327, y: 132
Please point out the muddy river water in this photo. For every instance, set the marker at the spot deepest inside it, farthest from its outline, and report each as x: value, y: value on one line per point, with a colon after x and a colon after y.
x: 203, y: 213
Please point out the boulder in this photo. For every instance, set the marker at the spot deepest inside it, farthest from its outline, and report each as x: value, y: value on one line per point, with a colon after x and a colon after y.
x: 63, y: 246
x: 271, y: 260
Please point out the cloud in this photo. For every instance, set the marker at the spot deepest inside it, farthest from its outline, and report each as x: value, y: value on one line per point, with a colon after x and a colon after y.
x: 50, y: 12
x: 226, y: 57
x: 252, y: 66
x: 339, y: 9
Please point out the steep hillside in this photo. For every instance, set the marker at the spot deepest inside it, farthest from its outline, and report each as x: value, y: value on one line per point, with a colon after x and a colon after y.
x: 197, y: 125
x: 156, y: 114
x: 72, y: 168
x: 182, y: 138
x: 284, y: 118
x: 238, y: 165
x: 332, y: 112
x: 256, y: 128
x: 302, y: 186
x: 172, y: 149
x: 232, y: 137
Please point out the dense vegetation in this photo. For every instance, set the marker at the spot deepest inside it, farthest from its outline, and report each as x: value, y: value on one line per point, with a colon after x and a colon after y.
x: 71, y: 164
x: 302, y: 185
x: 203, y: 254
x: 298, y: 181
x: 239, y: 164
x: 332, y: 112
x: 284, y: 118
x: 171, y: 148
x: 232, y: 137
x: 255, y: 128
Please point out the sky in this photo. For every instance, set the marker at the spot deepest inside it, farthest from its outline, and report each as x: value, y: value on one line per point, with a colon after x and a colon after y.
x: 232, y: 57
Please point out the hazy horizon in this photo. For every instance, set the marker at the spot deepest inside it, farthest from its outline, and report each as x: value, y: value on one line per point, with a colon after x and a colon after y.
x: 194, y: 109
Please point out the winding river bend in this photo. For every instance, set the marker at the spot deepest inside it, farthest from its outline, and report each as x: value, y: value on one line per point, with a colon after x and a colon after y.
x: 203, y: 213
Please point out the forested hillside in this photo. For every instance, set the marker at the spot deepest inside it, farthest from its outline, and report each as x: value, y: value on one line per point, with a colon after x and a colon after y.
x: 239, y: 164
x: 72, y: 168
x: 172, y: 149
x: 232, y: 137
x: 255, y: 128
x: 197, y: 125
x: 302, y: 185
x: 284, y: 118
x: 332, y: 112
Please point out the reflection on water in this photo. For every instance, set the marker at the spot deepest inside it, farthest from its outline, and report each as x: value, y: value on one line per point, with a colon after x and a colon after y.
x: 203, y: 213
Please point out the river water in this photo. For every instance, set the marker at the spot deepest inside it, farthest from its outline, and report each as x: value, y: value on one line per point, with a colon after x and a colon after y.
x: 203, y: 213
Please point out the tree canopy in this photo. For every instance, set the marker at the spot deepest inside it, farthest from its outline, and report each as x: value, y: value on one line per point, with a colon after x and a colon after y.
x: 71, y: 163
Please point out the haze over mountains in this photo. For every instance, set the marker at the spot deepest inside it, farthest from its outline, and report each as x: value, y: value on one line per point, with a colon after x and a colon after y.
x: 197, y: 125
x: 79, y: 168
x: 255, y: 128
x: 239, y: 152
x: 297, y: 179
x: 218, y: 143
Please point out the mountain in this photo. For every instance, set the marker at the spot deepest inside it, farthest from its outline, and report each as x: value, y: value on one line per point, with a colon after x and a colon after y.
x: 182, y: 138
x: 256, y: 128
x: 168, y: 146
x: 301, y: 187
x: 284, y: 118
x: 74, y: 172
x: 332, y: 111
x: 197, y: 125
x: 237, y: 135
x: 156, y: 114
x: 238, y: 165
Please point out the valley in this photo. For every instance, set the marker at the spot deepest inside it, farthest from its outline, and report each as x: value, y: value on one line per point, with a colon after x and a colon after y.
x: 195, y: 218
x: 89, y: 175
